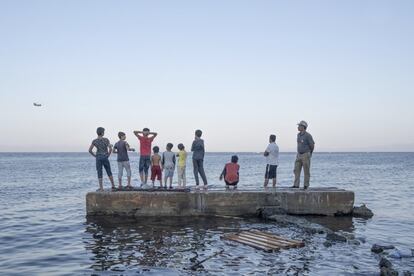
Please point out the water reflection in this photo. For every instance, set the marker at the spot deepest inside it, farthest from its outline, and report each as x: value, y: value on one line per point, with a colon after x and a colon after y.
x: 123, y: 243
x: 170, y: 246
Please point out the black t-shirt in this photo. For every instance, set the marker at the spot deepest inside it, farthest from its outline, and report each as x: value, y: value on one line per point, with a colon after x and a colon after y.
x: 121, y: 147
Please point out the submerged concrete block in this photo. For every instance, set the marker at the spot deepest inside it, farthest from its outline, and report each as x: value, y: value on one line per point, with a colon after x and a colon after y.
x: 318, y: 202
x: 328, y: 201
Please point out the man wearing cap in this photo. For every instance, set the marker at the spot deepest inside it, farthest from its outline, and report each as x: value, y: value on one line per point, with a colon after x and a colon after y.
x: 306, y: 145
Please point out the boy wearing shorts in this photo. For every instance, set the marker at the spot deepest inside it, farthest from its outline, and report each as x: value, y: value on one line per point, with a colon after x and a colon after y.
x: 145, y: 138
x: 121, y: 148
x: 168, y: 164
x: 272, y: 157
x: 182, y: 162
x: 156, y: 171
x: 103, y: 151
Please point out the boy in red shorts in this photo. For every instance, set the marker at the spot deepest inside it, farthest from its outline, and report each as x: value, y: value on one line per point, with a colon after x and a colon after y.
x: 156, y: 171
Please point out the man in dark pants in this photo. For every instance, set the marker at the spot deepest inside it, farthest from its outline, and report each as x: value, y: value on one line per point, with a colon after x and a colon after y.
x: 306, y: 145
x: 198, y: 158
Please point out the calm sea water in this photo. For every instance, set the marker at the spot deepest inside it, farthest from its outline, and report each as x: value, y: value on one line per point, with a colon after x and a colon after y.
x: 44, y: 230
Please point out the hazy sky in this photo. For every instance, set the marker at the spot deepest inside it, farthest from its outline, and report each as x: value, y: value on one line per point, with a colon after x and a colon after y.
x: 238, y: 70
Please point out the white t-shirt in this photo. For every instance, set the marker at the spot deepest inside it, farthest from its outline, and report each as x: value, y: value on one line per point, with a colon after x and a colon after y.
x: 273, y: 157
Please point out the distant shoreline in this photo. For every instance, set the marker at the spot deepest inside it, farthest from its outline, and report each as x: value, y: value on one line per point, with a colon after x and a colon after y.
x: 212, y: 152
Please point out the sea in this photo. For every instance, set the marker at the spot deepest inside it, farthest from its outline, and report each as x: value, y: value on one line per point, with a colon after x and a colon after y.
x: 44, y: 229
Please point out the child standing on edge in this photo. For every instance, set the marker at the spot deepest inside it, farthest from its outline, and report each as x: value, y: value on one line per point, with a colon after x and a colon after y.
x: 198, y: 158
x: 168, y: 164
x: 145, y: 152
x: 182, y: 162
x: 121, y: 148
x: 231, y: 173
x: 103, y: 151
x: 156, y: 171
x: 272, y: 157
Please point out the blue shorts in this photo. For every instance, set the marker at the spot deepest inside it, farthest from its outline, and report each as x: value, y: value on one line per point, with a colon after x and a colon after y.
x: 102, y: 161
x: 144, y: 164
x: 271, y: 171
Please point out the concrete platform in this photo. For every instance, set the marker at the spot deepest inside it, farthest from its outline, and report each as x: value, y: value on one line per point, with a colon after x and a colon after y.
x: 314, y: 201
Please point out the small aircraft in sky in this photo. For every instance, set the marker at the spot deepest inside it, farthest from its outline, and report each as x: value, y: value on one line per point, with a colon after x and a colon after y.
x: 37, y: 104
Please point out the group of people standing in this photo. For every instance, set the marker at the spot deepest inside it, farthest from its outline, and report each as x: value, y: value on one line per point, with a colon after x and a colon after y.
x: 160, y: 164
x: 165, y: 163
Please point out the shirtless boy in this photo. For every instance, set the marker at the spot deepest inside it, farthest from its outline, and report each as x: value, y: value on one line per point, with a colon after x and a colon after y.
x: 156, y: 171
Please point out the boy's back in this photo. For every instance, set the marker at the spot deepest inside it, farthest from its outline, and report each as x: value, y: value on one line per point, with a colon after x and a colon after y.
x: 121, y: 147
x: 232, y: 172
x: 168, y: 159
x: 273, y: 157
x: 182, y: 158
x: 101, y: 144
x: 198, y: 149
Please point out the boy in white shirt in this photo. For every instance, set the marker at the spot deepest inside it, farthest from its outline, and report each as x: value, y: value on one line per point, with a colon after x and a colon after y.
x: 272, y: 159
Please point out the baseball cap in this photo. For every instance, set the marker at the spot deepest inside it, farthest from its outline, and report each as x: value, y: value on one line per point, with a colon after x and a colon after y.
x: 303, y: 123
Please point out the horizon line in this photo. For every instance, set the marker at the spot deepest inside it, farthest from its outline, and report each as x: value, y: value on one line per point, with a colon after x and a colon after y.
x: 356, y: 151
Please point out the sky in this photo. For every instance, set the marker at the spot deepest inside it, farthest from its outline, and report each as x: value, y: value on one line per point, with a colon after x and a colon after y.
x: 238, y: 70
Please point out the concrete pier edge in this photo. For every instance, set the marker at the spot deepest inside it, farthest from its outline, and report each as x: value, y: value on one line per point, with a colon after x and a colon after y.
x: 220, y: 202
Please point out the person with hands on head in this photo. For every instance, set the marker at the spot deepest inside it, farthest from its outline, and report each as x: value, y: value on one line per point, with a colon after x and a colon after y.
x: 145, y: 138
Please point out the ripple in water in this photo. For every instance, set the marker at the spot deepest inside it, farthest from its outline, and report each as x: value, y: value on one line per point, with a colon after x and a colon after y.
x: 45, y: 231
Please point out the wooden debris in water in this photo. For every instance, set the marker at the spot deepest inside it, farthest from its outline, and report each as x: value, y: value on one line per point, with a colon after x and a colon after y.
x: 263, y: 241
x: 194, y: 267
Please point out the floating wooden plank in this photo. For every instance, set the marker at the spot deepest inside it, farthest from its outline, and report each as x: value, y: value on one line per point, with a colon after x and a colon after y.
x: 274, y: 239
x: 278, y: 242
x: 300, y: 243
x: 264, y: 241
x: 256, y: 241
x: 252, y: 244
x: 246, y: 240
